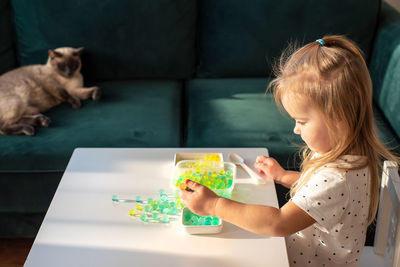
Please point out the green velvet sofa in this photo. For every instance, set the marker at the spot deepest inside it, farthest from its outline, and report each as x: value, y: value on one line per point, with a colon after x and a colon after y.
x: 174, y: 73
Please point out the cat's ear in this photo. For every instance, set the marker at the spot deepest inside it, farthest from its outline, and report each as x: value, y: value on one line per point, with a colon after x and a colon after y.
x: 54, y: 54
x: 51, y: 54
x: 78, y: 51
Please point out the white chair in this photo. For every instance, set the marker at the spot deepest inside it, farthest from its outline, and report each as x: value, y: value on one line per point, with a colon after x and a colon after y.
x: 386, y: 249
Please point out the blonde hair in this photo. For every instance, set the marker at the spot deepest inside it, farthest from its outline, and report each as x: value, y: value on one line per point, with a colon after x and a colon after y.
x: 334, y: 78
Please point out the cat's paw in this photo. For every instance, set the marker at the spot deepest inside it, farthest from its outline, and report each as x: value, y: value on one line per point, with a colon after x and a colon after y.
x: 75, y: 103
x: 28, y: 130
x: 44, y: 121
x: 96, y: 93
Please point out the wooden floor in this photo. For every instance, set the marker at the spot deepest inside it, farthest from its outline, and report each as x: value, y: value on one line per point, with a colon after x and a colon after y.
x: 13, y: 252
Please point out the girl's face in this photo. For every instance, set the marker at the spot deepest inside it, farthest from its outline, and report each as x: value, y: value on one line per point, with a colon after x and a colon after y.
x: 310, y: 124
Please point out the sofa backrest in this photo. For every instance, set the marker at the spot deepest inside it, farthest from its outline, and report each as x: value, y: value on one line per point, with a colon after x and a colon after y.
x: 180, y: 39
x: 7, y: 38
x: 242, y: 38
x: 124, y: 39
x: 385, y: 65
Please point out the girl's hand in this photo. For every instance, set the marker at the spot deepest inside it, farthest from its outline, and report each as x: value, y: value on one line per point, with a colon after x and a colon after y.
x: 270, y: 167
x: 199, y: 199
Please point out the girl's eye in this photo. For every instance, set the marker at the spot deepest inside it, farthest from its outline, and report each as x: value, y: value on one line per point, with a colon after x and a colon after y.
x: 300, y: 122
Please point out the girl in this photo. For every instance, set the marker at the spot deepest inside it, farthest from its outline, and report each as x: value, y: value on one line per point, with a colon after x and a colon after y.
x: 326, y: 88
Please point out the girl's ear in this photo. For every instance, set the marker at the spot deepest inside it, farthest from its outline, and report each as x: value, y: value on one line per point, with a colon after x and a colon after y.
x: 341, y: 126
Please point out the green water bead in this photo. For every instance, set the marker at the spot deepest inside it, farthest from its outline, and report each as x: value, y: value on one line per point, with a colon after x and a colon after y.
x: 155, y: 215
x: 164, y: 219
x: 166, y: 211
x: 194, y: 220
x: 201, y: 221
x: 164, y: 197
x: 187, y: 215
x: 221, y: 185
x: 174, y: 211
x: 114, y: 198
x: 147, y: 208
x: 215, y: 221
x: 139, y: 199
x: 161, y: 206
x: 149, y: 200
x: 143, y: 218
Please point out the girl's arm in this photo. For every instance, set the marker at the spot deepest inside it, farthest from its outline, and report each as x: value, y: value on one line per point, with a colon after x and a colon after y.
x: 288, y: 178
x: 259, y: 219
x: 273, y: 170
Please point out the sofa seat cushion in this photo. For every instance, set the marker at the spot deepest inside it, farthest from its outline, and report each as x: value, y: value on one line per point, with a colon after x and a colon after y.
x: 238, y: 113
x: 130, y: 114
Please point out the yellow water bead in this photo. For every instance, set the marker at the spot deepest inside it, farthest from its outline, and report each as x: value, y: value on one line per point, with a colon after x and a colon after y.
x: 213, y: 157
x: 182, y: 186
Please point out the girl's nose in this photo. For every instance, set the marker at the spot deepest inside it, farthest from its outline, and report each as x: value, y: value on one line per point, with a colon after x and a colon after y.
x: 296, y: 129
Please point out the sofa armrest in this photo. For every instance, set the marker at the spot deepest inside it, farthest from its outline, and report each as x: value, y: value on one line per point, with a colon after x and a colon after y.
x: 384, y: 65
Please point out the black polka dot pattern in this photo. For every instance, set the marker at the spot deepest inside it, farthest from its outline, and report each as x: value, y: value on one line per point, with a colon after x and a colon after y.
x: 338, y: 200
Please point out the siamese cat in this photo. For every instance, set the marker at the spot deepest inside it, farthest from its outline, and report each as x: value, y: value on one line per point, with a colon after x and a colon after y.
x: 28, y: 91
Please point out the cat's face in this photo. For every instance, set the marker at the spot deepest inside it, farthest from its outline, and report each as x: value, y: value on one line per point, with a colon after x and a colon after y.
x: 66, y: 60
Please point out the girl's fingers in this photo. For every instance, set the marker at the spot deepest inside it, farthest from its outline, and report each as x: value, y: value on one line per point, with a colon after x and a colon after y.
x: 256, y: 165
x: 184, y: 194
x: 192, y: 185
x: 259, y: 166
x: 261, y: 159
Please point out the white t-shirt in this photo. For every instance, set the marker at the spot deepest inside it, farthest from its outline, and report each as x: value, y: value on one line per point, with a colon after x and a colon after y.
x: 338, y: 200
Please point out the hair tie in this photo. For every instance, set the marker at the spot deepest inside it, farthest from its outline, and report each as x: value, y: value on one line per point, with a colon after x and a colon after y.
x: 320, y: 41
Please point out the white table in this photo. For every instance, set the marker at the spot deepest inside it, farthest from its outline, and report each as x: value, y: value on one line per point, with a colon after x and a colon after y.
x: 83, y: 227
